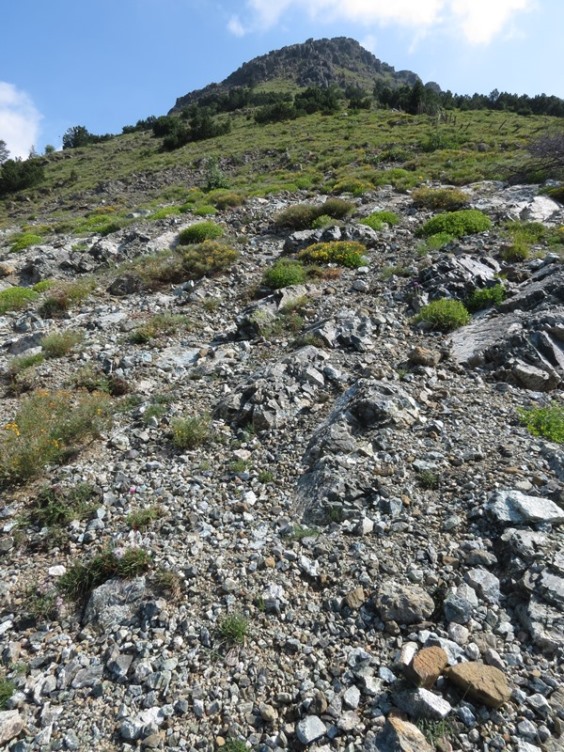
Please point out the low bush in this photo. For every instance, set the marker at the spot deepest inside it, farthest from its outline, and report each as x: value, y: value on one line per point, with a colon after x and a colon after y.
x: 159, y: 324
x: 199, y: 232
x: 547, y: 422
x: 303, y: 216
x: 207, y: 259
x: 46, y: 428
x: 16, y: 298
x: 378, y: 219
x: 348, y: 253
x: 445, y: 314
x: 457, y: 223
x: 64, y: 295
x: 284, y: 273
x: 54, y: 506
x: 141, y: 519
x: 83, y: 577
x: 485, y: 297
x: 439, y: 199
x: 189, y: 433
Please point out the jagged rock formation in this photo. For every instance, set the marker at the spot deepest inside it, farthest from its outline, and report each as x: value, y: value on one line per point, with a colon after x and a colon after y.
x: 318, y: 62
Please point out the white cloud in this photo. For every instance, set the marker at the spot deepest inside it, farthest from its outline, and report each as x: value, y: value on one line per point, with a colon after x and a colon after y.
x: 236, y: 27
x: 479, y: 21
x: 19, y: 120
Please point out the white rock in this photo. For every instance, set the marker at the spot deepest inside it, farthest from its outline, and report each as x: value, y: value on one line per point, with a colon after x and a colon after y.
x: 309, y: 729
x: 514, y: 507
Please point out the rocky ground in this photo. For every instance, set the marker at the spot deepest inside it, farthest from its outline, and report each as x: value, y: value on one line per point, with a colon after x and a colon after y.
x: 367, y: 552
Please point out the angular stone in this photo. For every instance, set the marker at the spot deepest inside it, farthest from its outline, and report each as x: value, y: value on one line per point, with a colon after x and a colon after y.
x: 427, y: 666
x: 545, y: 623
x: 514, y: 507
x: 115, y: 602
x: 485, y: 684
x: 422, y: 356
x: 309, y: 729
x: 484, y: 583
x: 399, y: 736
x: 406, y: 604
x: 421, y: 703
x: 11, y: 725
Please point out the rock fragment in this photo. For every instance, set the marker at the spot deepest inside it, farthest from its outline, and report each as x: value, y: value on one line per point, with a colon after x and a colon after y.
x: 486, y: 684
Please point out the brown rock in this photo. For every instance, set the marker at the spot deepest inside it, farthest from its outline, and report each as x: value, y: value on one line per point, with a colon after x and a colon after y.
x: 427, y: 665
x: 11, y: 725
x: 422, y: 356
x: 401, y: 736
x: 355, y: 598
x: 486, y: 684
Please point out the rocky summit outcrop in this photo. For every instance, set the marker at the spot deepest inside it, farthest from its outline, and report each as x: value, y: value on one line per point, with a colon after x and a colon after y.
x: 361, y: 550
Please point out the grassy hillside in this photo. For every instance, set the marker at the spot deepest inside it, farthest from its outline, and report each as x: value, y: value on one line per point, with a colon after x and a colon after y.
x: 351, y: 151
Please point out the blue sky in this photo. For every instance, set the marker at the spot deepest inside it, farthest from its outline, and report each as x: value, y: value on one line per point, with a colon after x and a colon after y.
x: 107, y: 63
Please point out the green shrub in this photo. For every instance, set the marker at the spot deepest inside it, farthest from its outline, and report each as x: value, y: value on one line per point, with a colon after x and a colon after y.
x: 208, y: 258
x: 43, y: 285
x: 157, y: 325
x: 199, y: 232
x: 164, y: 212
x: 439, y: 199
x: 223, y: 199
x: 284, y: 273
x: 189, y: 433
x: 444, y: 315
x: 82, y: 578
x: 518, y: 250
x: 378, y: 219
x: 438, y: 241
x: 233, y: 628
x: 298, y: 217
x: 25, y: 240
x: 16, y: 298
x: 457, y: 223
x: 486, y: 297
x: 337, y: 208
x: 547, y: 422
x: 205, y: 210
x: 348, y: 253
x: 356, y: 186
x: 45, y: 428
x: 55, y: 506
x: 22, y: 362
x: 58, y: 344
x: 141, y: 519
x: 322, y: 221
x: 64, y: 295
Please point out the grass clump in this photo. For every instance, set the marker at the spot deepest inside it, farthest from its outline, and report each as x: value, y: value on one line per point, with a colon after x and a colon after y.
x: 58, y: 344
x: 522, y: 237
x: 235, y: 745
x: 445, y: 314
x: 378, y: 219
x: 22, y: 363
x: 547, y: 422
x: 189, y: 433
x: 485, y: 298
x: 207, y: 259
x: 55, y: 506
x: 234, y: 628
x: 25, y: 240
x: 439, y: 199
x: 283, y: 273
x: 430, y: 480
x: 141, y: 519
x: 47, y: 428
x: 157, y: 325
x: 64, y: 295
x: 348, y: 253
x: 304, y: 216
x: 7, y: 689
x: 16, y: 298
x: 199, y: 232
x: 457, y: 223
x: 83, y: 577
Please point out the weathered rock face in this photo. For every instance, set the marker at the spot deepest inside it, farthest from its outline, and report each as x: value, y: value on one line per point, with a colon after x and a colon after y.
x: 399, y: 736
x: 458, y: 276
x: 524, y: 342
x: 303, y: 238
x: 403, y: 603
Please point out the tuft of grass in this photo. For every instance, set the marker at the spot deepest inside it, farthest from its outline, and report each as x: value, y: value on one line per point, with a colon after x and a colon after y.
x: 233, y: 628
x: 47, y: 426
x: 58, y: 344
x: 199, y: 232
x: 189, y: 433
x: 429, y: 479
x: 167, y: 583
x: 378, y: 219
x: 7, y: 689
x: 22, y: 363
x: 235, y: 745
x: 54, y: 506
x: 457, y: 223
x: 485, y: 298
x: 83, y: 577
x: 157, y: 325
x: 141, y: 519
x: 16, y: 298
x: 445, y: 314
x: 547, y: 422
x: 300, y: 532
x: 283, y: 273
x: 347, y: 253
x: 265, y: 476
x: 304, y: 216
x: 64, y: 295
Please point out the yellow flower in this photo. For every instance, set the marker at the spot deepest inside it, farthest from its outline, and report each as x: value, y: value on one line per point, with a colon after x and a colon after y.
x: 12, y: 427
